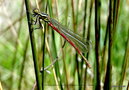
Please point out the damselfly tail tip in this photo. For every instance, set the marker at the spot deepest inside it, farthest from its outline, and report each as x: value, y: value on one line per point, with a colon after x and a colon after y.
x: 87, y: 63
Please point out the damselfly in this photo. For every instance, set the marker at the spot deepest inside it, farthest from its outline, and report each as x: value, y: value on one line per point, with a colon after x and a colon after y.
x: 75, y: 40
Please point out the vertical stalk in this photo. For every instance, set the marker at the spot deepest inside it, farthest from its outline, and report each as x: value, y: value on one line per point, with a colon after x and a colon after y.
x: 127, y: 86
x: 115, y: 15
x: 43, y: 59
x: 56, y: 65
x: 125, y: 63
x: 77, y: 62
x: 43, y: 49
x: 88, y: 38
x: 23, y: 63
x: 97, y: 40
x: 66, y: 12
x: 78, y: 74
x: 103, y: 62
x: 84, y: 34
x: 107, y: 83
x: 73, y: 16
x: 33, y: 45
x: 63, y: 54
x: 85, y: 15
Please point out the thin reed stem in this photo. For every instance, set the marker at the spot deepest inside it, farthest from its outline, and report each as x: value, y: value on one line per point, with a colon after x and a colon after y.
x: 54, y: 50
x: 125, y: 64
x: 107, y: 83
x: 88, y: 39
x: 97, y: 41
x: 23, y: 63
x: 33, y: 45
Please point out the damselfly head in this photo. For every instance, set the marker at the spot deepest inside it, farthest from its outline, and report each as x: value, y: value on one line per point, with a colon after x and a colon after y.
x: 42, y: 16
x: 36, y: 11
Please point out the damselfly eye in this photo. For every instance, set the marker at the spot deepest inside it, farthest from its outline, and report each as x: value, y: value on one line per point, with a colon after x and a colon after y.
x: 35, y: 10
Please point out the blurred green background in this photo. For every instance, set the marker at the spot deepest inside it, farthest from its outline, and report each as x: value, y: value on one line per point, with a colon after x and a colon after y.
x: 16, y: 61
